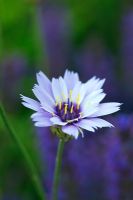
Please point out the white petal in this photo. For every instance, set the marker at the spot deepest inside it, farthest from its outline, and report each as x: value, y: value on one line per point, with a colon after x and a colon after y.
x: 100, y: 84
x: 56, y: 90
x: 80, y: 131
x: 44, y: 82
x: 90, y: 104
x: 94, y: 84
x: 94, y: 123
x: 89, y: 111
x: 98, y: 123
x: 57, y: 121
x: 64, y: 90
x: 46, y: 123
x: 99, y: 98
x: 85, y: 125
x: 82, y: 92
x: 75, y: 92
x: 107, y: 108
x: 91, y: 107
x: 93, y: 98
x: 71, y: 130
x: 40, y: 116
x: 45, y: 99
x: 71, y: 78
x: 41, y: 119
x: 30, y: 103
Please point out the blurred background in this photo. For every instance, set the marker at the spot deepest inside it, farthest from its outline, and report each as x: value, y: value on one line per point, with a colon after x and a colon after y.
x: 93, y: 38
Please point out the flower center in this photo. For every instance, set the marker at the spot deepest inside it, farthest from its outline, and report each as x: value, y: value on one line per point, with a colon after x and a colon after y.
x: 68, y: 112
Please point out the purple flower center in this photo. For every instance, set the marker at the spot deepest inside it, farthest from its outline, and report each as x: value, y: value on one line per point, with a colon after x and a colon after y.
x: 68, y: 112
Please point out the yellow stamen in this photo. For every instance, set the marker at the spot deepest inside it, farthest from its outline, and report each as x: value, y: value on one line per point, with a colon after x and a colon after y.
x: 78, y: 101
x: 60, y: 105
x: 65, y: 109
x: 71, y: 111
x: 70, y: 95
x: 57, y: 101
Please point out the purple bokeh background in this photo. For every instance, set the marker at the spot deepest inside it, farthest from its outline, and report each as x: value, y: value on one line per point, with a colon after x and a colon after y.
x: 100, y: 165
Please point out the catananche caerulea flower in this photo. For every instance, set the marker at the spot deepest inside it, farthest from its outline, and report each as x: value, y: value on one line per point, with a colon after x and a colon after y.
x: 68, y: 103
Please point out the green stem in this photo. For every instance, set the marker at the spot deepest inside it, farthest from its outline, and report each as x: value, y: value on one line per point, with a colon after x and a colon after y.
x: 57, y: 170
x: 33, y: 172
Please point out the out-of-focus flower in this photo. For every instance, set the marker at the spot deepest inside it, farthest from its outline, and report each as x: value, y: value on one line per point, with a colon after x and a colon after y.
x: 127, y: 58
x: 69, y: 104
x: 106, y: 170
x: 13, y: 69
x: 94, y: 56
x: 53, y: 25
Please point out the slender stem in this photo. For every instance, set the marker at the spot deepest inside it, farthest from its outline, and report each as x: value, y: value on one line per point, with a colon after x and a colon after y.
x: 57, y: 170
x: 33, y: 172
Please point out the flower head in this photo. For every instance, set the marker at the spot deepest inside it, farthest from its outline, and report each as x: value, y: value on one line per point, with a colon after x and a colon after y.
x: 69, y: 104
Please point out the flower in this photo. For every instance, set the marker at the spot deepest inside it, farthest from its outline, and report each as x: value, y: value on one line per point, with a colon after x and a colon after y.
x: 68, y: 103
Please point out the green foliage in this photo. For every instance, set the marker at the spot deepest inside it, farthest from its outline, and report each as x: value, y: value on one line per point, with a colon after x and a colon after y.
x: 12, y: 162
x: 97, y: 17
x: 19, y: 29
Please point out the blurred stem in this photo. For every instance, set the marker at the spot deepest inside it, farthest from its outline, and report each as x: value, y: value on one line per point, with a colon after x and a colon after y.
x: 1, y: 42
x: 38, y: 27
x: 57, y: 169
x: 30, y: 165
